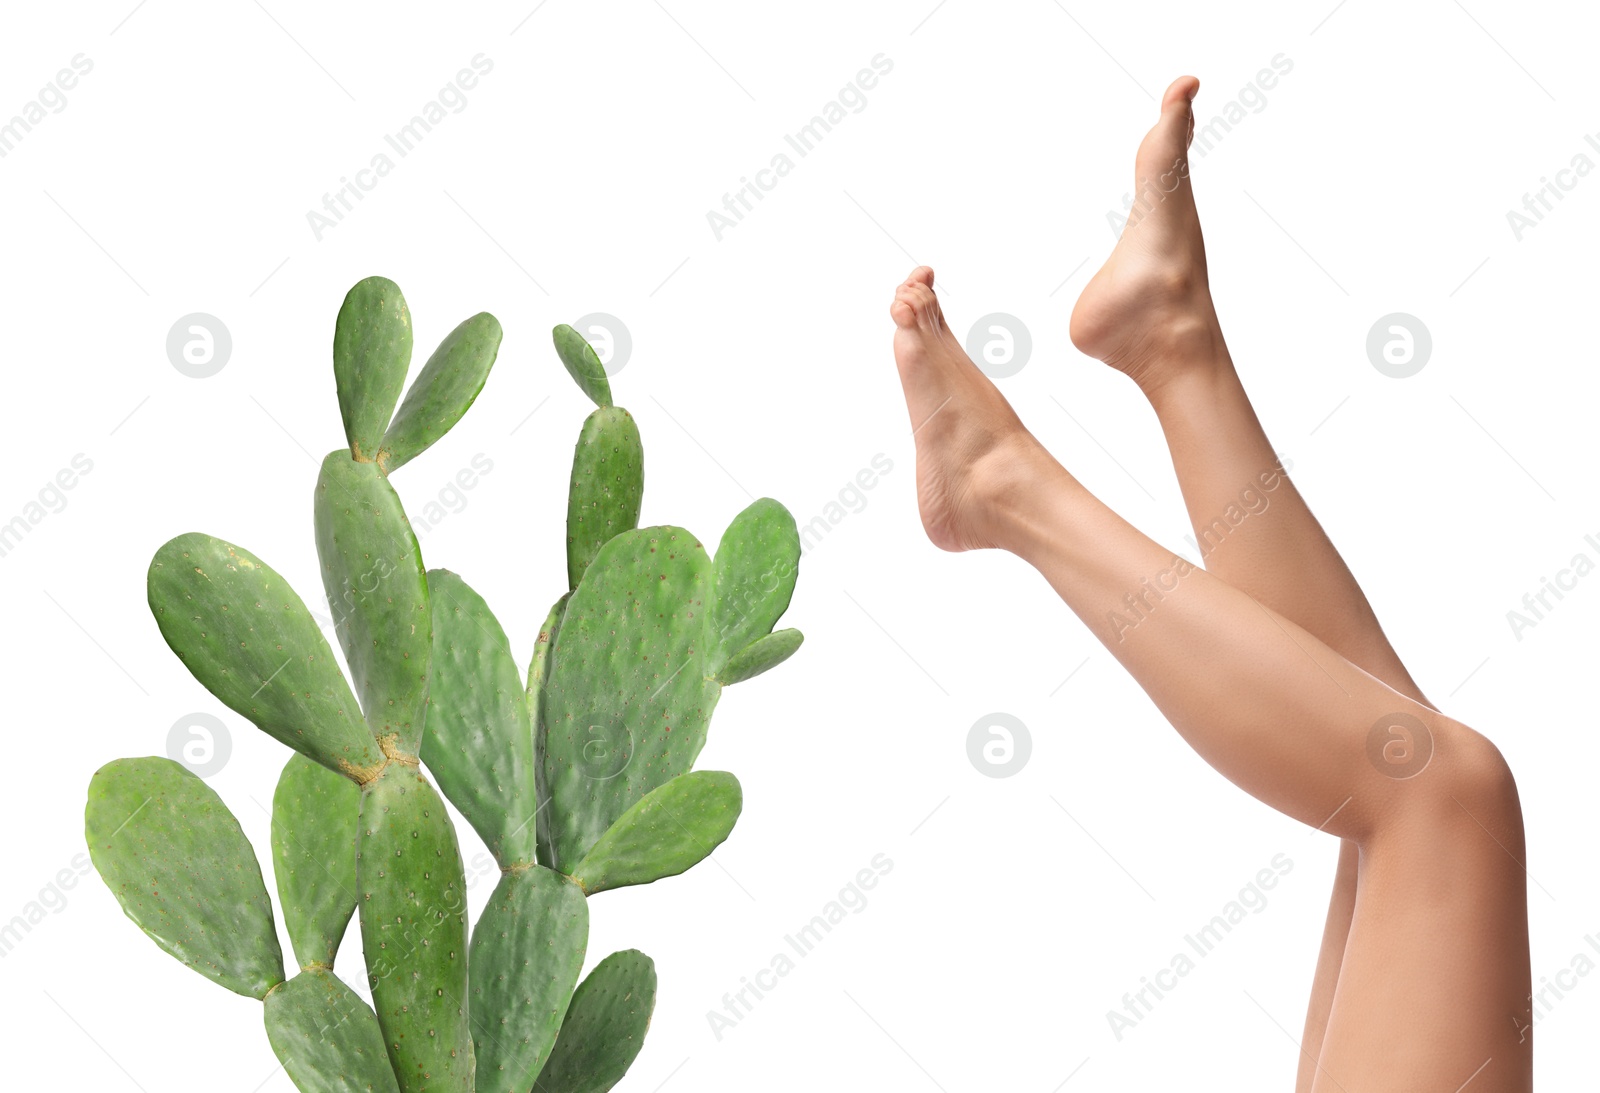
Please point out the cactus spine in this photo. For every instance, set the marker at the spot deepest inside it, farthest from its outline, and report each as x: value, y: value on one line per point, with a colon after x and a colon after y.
x: 576, y: 774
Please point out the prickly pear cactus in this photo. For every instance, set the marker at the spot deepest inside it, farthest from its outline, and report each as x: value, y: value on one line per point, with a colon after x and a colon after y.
x: 326, y: 1037
x: 604, y: 1026
x: 640, y: 660
x: 626, y: 669
x: 576, y: 774
x: 177, y: 861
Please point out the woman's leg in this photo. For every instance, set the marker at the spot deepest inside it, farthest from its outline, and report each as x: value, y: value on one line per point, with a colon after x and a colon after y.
x: 1436, y: 963
x: 1251, y: 526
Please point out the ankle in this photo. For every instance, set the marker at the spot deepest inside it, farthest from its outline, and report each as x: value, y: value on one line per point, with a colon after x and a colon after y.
x: 1017, y: 482
x: 1200, y: 374
x: 1182, y: 348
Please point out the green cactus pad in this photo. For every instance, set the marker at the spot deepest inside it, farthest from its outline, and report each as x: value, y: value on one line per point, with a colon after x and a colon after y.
x: 245, y: 635
x: 627, y: 701
x: 414, y: 929
x: 760, y: 655
x: 443, y: 390
x: 371, y: 352
x: 372, y: 572
x: 539, y: 663
x: 671, y: 829
x: 604, y: 1027
x: 538, y: 673
x: 478, y: 742
x: 175, y: 858
x: 756, y: 566
x: 326, y: 1037
x: 582, y: 364
x: 527, y: 952
x: 606, y: 487
x: 314, y: 815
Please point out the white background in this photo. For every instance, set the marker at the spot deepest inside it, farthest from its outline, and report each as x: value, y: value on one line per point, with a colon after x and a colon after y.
x: 577, y: 179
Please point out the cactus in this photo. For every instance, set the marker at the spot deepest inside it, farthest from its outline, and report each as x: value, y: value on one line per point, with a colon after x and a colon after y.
x: 604, y: 1026
x: 182, y: 869
x: 667, y: 831
x: 324, y: 1034
x: 576, y: 774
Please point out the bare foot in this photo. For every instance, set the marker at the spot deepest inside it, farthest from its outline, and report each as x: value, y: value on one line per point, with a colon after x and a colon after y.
x: 973, y: 454
x: 1148, y: 310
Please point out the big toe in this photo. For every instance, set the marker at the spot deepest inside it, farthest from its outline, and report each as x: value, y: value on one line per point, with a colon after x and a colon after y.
x: 1169, y: 138
x: 1180, y: 92
x: 915, y: 304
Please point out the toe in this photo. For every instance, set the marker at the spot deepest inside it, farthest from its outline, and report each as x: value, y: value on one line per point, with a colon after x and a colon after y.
x: 1176, y: 127
x: 914, y: 302
x: 1170, y: 135
x: 1180, y: 92
x: 916, y: 305
x: 1177, y: 109
x: 1164, y: 149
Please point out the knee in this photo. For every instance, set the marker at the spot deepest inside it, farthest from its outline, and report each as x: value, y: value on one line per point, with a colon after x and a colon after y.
x: 1472, y: 775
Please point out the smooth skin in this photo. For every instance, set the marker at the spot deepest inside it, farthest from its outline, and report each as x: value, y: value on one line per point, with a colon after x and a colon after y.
x: 1269, y: 662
